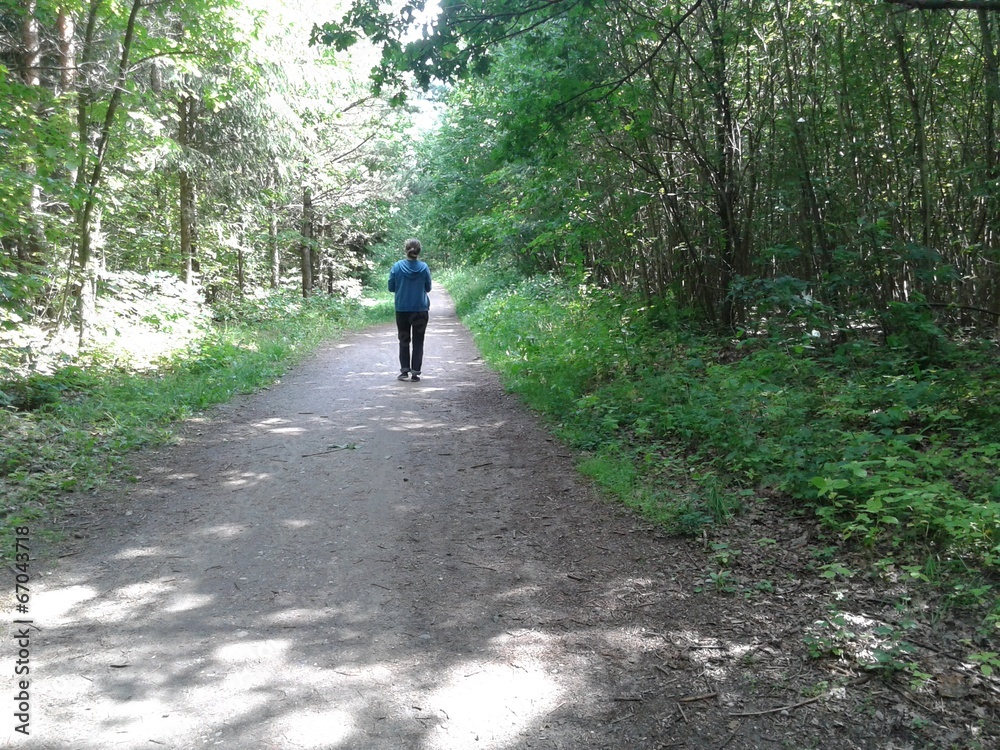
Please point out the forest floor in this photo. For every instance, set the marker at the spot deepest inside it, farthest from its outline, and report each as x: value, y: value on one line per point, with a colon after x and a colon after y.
x: 348, y: 561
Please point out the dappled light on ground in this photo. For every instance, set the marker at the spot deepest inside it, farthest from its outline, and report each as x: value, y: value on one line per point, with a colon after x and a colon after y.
x: 186, y: 664
x: 493, y: 703
x: 60, y: 606
x: 224, y: 531
x: 349, y: 562
x: 133, y: 553
x: 316, y: 729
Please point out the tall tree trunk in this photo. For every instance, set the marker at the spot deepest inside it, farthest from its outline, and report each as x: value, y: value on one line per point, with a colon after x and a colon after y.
x: 65, y: 30
x: 919, y: 131
x: 987, y: 229
x: 240, y: 265
x: 66, y: 42
x: 726, y: 173
x: 991, y: 73
x: 84, y: 97
x: 31, y: 42
x: 92, y: 169
x: 850, y: 133
x: 188, y: 225
x: 29, y: 247
x: 813, y: 229
x: 87, y: 299
x: 272, y: 236
x: 187, y: 194
x: 307, y: 241
x: 272, y: 242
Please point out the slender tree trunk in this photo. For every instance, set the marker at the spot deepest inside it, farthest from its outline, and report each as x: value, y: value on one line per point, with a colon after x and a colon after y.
x: 814, y: 231
x: 66, y: 42
x: 316, y: 234
x: 93, y: 173
x: 991, y: 73
x: 272, y: 241
x: 240, y: 271
x: 84, y: 97
x: 187, y: 192
x: 87, y: 301
x: 987, y: 230
x: 188, y: 226
x: 92, y: 169
x: 272, y: 237
x: 850, y: 136
x: 65, y: 30
x: 29, y: 247
x: 734, y: 261
x: 82, y: 221
x: 30, y: 39
x: 919, y: 131
x: 307, y: 239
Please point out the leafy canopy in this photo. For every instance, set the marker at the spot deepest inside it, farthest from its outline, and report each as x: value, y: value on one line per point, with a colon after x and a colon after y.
x: 456, y: 43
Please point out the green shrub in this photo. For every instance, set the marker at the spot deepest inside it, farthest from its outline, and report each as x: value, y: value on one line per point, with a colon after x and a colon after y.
x: 888, y: 450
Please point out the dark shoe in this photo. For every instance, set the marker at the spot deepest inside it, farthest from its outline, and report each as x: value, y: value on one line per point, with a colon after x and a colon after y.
x: 415, y: 378
x: 404, y: 376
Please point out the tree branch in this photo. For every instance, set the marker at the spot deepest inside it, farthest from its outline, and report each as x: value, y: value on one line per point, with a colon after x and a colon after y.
x: 993, y: 5
x: 613, y: 86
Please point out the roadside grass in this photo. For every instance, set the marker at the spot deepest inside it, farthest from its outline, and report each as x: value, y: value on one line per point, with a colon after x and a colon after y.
x: 67, y: 432
x: 891, y: 454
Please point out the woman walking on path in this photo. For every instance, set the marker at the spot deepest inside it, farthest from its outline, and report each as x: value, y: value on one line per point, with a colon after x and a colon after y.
x: 410, y: 279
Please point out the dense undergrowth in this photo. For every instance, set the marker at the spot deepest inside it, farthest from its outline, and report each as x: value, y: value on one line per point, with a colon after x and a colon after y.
x: 893, y: 451
x: 67, y: 430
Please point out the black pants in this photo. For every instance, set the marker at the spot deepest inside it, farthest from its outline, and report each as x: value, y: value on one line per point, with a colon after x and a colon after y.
x: 411, y: 327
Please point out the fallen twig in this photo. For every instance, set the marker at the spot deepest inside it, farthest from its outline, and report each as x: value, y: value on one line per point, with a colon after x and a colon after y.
x: 477, y: 565
x: 332, y: 449
x: 912, y: 700
x: 792, y: 707
x: 658, y: 668
x: 728, y: 740
x: 703, y: 697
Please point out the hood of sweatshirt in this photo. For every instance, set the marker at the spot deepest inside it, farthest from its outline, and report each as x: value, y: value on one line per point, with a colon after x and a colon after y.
x: 411, y: 268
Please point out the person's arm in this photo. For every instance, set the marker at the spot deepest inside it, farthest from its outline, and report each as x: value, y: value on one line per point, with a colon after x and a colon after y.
x: 392, y: 279
x: 427, y: 283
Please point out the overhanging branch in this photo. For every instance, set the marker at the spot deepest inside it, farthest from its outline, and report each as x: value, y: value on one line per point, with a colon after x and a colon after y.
x: 993, y: 5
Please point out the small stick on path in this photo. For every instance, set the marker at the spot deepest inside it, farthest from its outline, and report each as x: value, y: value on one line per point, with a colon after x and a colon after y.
x: 781, y: 708
x: 477, y: 565
x: 693, y: 698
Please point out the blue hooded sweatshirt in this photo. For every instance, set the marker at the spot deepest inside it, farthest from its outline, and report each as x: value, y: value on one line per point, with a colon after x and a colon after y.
x: 410, y: 280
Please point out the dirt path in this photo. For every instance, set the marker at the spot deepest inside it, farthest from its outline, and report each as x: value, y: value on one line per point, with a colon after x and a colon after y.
x: 348, y: 561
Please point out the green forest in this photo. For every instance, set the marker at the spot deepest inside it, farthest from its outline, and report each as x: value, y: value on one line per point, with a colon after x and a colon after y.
x: 734, y: 251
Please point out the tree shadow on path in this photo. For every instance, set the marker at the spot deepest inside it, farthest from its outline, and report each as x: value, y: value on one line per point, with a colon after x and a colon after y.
x: 349, y: 561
